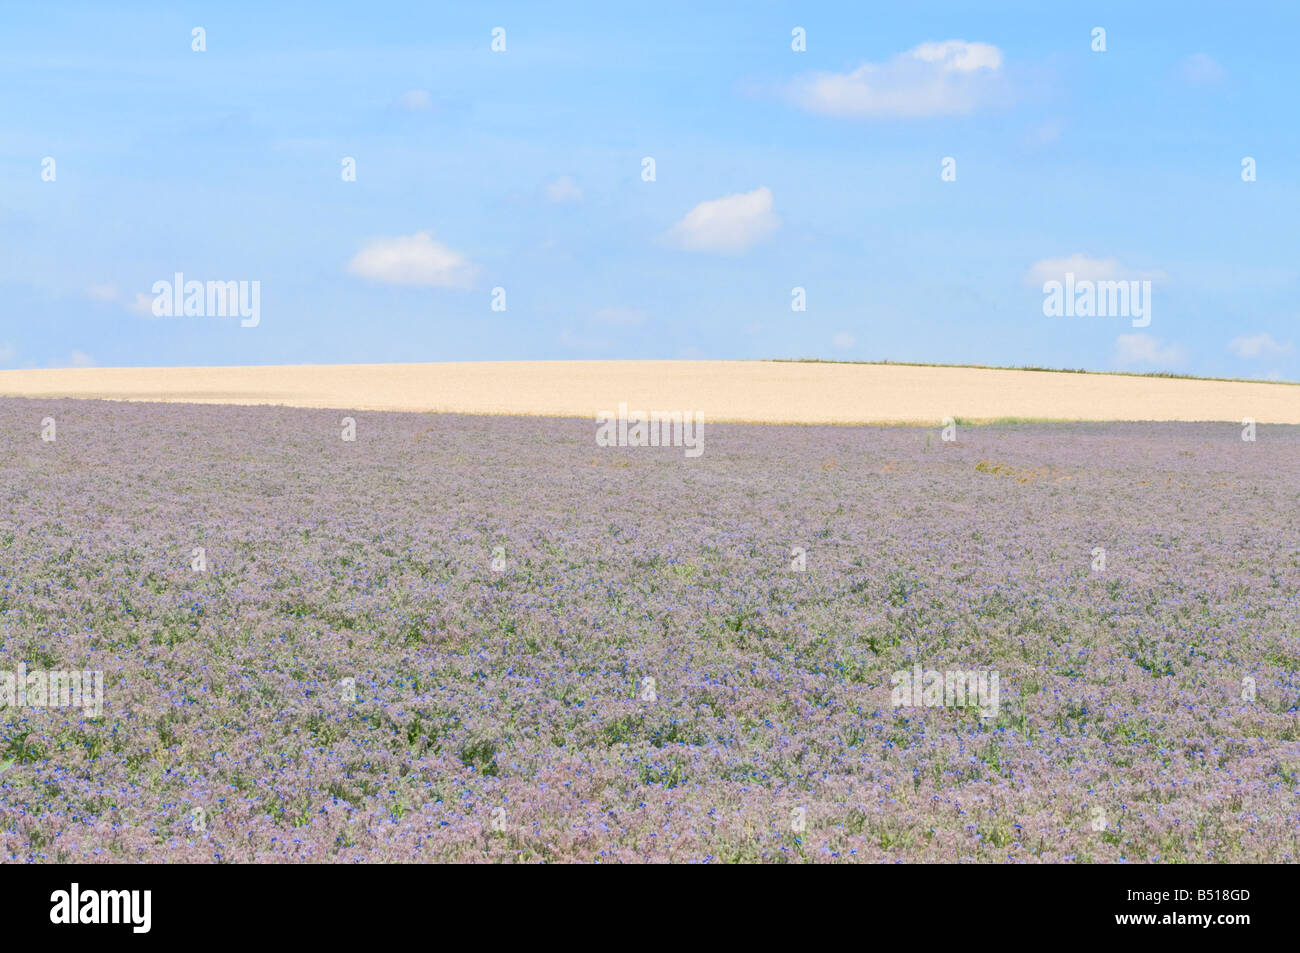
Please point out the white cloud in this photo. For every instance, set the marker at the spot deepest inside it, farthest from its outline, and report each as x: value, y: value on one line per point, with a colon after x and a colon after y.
x: 7, y: 352
x: 1258, y: 345
x: 75, y: 359
x: 728, y: 225
x: 1045, y: 133
x: 415, y: 101
x: 844, y: 341
x: 1144, y: 349
x: 142, y: 305
x: 959, y: 56
x: 948, y: 78
x: 1085, y: 268
x: 620, y: 317
x: 563, y: 191
x: 584, y: 343
x: 412, y: 260
x: 1201, y: 69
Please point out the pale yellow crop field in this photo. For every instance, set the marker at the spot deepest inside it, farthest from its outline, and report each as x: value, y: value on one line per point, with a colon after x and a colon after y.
x: 739, y: 391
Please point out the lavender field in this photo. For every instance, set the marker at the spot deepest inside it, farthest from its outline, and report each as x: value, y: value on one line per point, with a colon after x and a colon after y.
x: 350, y: 679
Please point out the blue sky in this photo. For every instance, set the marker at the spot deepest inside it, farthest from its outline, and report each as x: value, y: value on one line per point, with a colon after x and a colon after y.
x: 774, y: 169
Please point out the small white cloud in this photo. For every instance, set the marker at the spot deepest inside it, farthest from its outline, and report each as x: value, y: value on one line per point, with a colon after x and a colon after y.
x: 1258, y: 345
x: 75, y: 359
x: 7, y: 352
x: 1085, y: 268
x: 1080, y: 265
x: 1145, y: 349
x: 619, y: 317
x: 563, y: 191
x: 412, y: 260
x: 141, y: 305
x: 415, y: 101
x: 1200, y: 69
x: 584, y: 343
x: 105, y: 292
x: 959, y: 56
x: 1045, y: 133
x: 843, y: 341
x: 728, y: 225
x: 947, y: 78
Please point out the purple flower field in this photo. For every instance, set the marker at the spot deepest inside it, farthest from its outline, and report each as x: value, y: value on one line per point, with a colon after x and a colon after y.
x: 1149, y: 710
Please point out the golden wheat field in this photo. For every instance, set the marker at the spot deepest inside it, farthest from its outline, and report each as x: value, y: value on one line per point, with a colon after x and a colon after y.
x: 724, y: 391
